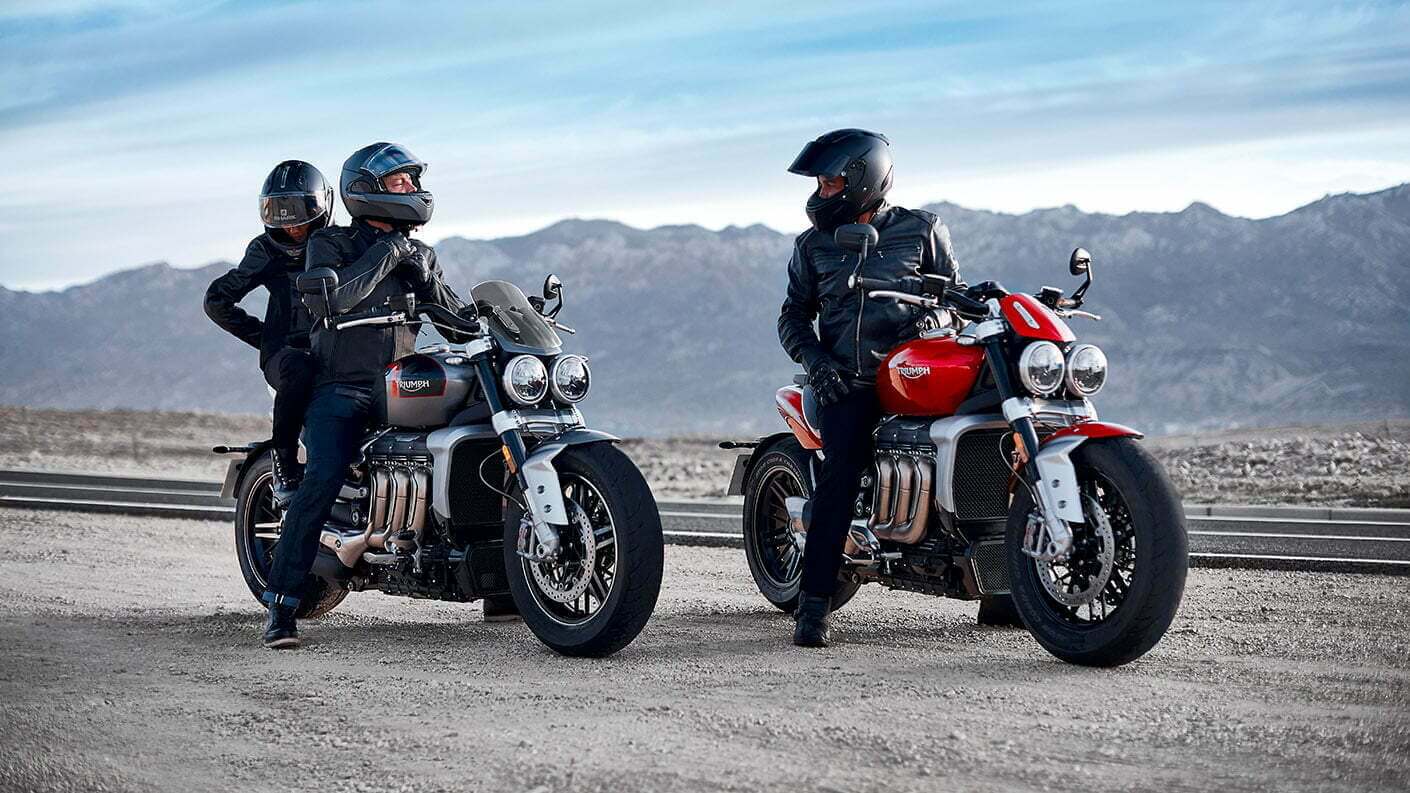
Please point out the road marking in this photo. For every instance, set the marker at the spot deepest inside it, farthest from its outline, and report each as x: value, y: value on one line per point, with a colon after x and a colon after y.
x: 1318, y: 521
x: 715, y: 515
x: 1280, y: 536
x: 1271, y: 558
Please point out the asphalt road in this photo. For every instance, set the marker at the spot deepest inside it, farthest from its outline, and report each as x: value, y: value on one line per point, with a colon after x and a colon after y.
x: 1317, y: 539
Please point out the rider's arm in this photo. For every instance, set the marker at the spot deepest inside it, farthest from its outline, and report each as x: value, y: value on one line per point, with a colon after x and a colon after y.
x: 800, y: 308
x: 357, y: 279
x: 224, y: 295
x: 435, y: 290
x: 939, y: 258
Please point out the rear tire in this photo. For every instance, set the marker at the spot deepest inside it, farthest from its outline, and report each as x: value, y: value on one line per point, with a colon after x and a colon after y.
x: 635, y: 558
x: 781, y: 471
x: 1150, y: 560
x: 254, y: 504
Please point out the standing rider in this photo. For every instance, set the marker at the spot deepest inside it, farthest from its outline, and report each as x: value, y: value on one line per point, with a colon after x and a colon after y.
x: 853, y: 171
x: 375, y: 260
x: 295, y: 202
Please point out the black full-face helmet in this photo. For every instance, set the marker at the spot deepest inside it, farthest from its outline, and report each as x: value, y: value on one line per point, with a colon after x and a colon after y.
x: 863, y: 158
x: 365, y: 195
x: 294, y: 194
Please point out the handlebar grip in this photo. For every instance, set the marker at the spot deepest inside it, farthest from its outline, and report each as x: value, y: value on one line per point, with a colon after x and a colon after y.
x: 910, y: 285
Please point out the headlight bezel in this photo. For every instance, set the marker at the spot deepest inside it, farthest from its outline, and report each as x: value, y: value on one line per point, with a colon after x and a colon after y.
x: 557, y: 389
x: 1026, y: 361
x: 1069, y: 369
x: 507, y: 379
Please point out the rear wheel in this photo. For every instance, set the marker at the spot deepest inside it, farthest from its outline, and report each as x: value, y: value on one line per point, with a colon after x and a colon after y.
x: 597, y: 595
x: 1115, y: 595
x: 773, y: 550
x: 258, y: 520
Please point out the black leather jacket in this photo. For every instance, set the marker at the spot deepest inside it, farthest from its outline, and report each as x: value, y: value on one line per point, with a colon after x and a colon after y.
x: 855, y: 333
x: 367, y: 262
x: 286, y: 321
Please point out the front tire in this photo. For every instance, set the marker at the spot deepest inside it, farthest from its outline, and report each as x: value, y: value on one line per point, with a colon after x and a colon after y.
x: 607, y: 497
x: 1147, y: 563
x: 775, y: 561
x: 256, y: 514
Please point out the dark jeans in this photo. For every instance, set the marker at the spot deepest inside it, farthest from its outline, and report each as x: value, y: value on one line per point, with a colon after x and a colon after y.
x: 291, y: 372
x: 847, y: 427
x: 333, y: 430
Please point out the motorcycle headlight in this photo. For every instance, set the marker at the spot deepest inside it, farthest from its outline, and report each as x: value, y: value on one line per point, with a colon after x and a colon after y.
x: 1040, y: 367
x: 1086, y: 369
x: 571, y: 378
x: 526, y: 379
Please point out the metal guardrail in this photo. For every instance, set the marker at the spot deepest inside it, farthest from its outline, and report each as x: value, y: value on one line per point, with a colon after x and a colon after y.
x: 1272, y: 537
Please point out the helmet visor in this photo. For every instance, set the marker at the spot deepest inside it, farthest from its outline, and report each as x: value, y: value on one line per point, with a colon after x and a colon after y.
x: 291, y: 209
x: 821, y: 159
x: 394, y: 158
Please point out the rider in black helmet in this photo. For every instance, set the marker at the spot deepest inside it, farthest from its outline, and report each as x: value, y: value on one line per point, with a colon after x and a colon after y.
x: 294, y: 202
x: 375, y: 259
x: 853, y: 169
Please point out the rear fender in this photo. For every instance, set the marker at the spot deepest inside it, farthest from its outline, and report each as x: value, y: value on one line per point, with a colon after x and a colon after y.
x: 744, y: 463
x: 235, y: 472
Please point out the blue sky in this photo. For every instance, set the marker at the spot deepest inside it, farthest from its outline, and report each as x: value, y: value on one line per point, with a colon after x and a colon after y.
x: 141, y: 131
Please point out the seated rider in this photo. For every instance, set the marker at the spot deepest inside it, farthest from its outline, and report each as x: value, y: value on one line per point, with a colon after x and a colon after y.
x: 294, y: 202
x: 375, y: 259
x: 853, y: 172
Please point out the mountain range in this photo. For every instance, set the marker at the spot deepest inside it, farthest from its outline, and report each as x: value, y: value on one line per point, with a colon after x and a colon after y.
x: 1209, y: 320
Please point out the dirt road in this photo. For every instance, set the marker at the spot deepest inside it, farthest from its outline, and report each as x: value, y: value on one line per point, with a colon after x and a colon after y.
x: 130, y: 662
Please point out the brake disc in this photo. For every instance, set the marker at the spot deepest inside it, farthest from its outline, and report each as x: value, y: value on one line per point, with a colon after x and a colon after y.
x: 564, y: 580
x: 1098, y: 528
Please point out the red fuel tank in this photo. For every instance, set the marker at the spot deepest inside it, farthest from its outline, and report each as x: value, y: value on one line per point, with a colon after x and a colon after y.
x: 927, y: 377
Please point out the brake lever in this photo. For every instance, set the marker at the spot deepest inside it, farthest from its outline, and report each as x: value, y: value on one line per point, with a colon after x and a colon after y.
x: 1073, y: 312
x: 555, y: 323
x: 905, y: 297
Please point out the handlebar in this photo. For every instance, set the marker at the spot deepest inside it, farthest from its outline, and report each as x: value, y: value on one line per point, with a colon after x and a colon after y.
x: 931, y: 291
x: 384, y: 315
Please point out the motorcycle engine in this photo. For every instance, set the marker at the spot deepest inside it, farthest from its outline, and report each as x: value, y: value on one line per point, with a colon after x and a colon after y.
x: 904, y: 477
x: 399, y: 476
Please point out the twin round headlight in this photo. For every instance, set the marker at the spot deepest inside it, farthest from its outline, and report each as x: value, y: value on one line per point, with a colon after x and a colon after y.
x: 528, y: 381
x: 1043, y: 369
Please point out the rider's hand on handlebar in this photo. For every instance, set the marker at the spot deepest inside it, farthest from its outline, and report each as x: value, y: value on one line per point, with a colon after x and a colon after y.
x: 827, y: 384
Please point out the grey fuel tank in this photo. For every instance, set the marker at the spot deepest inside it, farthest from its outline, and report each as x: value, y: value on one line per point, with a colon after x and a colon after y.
x: 425, y: 390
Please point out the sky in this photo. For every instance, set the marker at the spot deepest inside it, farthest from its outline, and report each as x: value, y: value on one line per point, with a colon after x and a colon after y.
x: 141, y: 131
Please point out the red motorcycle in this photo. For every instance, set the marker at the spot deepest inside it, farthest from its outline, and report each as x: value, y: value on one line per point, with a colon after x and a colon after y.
x: 993, y: 478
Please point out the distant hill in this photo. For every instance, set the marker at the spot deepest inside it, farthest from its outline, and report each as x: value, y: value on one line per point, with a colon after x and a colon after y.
x: 1209, y: 320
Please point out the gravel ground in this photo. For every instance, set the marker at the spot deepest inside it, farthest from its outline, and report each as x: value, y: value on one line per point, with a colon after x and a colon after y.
x: 131, y: 663
x: 1352, y: 465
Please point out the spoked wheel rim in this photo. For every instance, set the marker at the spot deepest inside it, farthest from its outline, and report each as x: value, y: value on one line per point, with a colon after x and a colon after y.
x: 1090, y: 586
x: 572, y: 589
x: 778, y: 551
x: 260, y: 528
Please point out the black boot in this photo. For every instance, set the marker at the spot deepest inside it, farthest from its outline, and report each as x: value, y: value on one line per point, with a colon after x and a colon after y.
x: 812, y: 612
x: 288, y: 474
x: 501, y: 608
x: 280, y: 630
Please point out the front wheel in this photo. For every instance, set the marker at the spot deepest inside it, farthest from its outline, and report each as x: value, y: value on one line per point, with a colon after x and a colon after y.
x: 1116, y: 593
x: 597, y: 595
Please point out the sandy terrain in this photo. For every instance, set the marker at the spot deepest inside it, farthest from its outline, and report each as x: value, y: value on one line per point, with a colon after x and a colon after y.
x: 1354, y: 465
x: 131, y: 663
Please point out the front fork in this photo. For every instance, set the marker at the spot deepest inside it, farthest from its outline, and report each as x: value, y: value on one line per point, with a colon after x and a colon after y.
x: 1047, y: 471
x: 538, y: 480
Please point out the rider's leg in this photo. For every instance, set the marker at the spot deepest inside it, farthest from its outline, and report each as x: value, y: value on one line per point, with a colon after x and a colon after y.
x: 847, y: 427
x: 337, y: 418
x: 290, y: 371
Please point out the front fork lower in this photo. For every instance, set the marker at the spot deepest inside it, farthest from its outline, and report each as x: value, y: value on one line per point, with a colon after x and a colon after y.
x: 1052, y: 479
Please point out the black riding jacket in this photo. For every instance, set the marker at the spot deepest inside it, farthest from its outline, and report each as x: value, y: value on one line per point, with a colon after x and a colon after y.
x: 286, y: 321
x: 855, y: 333
x: 367, y: 262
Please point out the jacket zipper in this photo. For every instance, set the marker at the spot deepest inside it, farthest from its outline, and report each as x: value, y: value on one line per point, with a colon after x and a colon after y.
x: 861, y: 308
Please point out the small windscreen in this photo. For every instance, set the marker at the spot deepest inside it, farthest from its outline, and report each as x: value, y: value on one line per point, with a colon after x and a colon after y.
x: 509, y: 315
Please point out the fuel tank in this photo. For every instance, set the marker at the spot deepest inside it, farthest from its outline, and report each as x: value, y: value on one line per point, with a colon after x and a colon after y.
x: 927, y: 377
x: 424, y: 390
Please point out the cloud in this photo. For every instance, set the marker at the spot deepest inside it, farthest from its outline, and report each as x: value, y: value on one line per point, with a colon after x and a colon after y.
x: 146, y: 128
